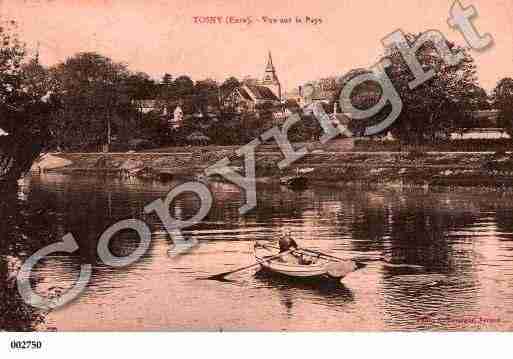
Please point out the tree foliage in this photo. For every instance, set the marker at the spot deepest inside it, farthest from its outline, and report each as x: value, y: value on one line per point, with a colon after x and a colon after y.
x: 24, y: 109
x: 93, y: 91
x: 365, y: 95
x: 503, y: 101
x: 230, y: 84
x: 431, y: 110
x: 206, y: 93
x: 141, y: 86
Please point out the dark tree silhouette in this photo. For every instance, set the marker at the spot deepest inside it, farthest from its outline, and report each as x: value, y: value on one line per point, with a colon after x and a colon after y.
x: 24, y: 109
x: 503, y: 101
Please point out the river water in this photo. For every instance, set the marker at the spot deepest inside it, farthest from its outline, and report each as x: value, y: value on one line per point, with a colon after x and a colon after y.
x: 463, y: 239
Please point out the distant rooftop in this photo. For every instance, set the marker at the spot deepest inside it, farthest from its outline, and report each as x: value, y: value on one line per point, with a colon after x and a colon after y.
x: 262, y: 93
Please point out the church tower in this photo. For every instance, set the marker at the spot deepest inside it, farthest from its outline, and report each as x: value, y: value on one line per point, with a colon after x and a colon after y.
x: 270, y: 79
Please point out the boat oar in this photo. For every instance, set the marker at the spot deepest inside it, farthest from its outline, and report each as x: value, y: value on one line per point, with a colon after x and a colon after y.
x: 358, y: 262
x: 220, y: 276
x: 323, y: 254
x: 311, y: 251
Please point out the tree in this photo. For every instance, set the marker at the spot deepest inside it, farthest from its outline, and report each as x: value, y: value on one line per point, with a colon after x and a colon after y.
x: 432, y: 109
x: 206, y: 92
x: 167, y: 94
x: 36, y: 78
x: 184, y: 86
x: 503, y: 101
x: 167, y: 79
x: 141, y: 86
x: 24, y: 114
x: 180, y: 91
x: 363, y: 96
x: 230, y: 84
x: 92, y: 90
x: 478, y: 99
x: 26, y: 228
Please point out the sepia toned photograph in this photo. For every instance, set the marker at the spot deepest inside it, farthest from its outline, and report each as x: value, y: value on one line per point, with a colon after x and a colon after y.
x: 255, y: 166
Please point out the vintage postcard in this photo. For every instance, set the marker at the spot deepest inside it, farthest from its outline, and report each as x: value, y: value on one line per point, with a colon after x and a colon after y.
x: 219, y: 165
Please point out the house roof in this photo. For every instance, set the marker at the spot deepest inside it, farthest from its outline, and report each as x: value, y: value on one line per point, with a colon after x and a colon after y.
x: 244, y: 93
x: 262, y: 92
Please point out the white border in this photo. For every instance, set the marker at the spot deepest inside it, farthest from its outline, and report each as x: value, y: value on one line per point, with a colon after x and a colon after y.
x: 244, y: 345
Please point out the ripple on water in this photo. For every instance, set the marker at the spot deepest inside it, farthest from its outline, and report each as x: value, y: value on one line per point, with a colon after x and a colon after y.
x: 461, y: 241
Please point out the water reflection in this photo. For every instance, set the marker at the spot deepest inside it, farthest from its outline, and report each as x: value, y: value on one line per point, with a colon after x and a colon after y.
x: 328, y: 293
x: 23, y: 230
x: 462, y: 240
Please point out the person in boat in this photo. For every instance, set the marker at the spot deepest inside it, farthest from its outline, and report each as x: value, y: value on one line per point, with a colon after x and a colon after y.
x: 286, y: 242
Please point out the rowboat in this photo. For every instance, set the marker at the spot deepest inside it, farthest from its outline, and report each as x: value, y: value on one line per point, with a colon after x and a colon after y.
x: 302, y: 264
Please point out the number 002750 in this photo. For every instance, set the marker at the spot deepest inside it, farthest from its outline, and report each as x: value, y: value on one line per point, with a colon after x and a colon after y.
x: 26, y: 344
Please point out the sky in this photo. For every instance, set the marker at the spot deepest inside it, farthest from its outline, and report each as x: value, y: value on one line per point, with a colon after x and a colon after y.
x: 157, y: 36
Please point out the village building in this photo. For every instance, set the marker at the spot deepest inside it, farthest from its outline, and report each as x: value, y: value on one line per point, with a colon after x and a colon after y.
x: 177, y: 120
x: 146, y: 105
x: 252, y: 94
x: 324, y: 90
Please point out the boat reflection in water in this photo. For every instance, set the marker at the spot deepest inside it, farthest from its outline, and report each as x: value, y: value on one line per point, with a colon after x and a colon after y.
x: 324, y: 292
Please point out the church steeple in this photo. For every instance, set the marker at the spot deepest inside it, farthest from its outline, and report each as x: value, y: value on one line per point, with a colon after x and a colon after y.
x: 270, y: 79
x: 270, y: 66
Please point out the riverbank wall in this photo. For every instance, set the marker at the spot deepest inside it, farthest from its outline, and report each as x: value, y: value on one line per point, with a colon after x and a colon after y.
x: 319, y: 166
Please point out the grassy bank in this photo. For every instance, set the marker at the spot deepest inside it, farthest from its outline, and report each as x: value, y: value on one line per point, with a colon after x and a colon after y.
x: 341, y: 168
x: 457, y: 145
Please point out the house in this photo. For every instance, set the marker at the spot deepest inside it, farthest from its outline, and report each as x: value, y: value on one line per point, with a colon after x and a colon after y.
x: 145, y: 106
x: 324, y: 90
x: 252, y: 94
x: 177, y: 120
x: 480, y: 133
x: 250, y: 97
